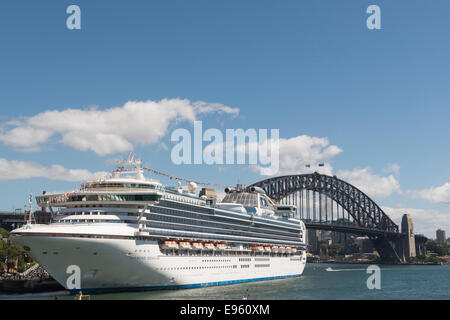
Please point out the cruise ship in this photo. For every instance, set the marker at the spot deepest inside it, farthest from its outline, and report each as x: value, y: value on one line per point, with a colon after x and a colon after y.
x: 127, y: 232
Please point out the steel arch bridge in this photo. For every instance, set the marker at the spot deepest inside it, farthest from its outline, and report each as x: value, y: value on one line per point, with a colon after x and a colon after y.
x: 364, y: 212
x: 358, y: 213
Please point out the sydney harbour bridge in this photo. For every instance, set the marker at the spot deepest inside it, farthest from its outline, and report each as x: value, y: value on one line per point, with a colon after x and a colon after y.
x: 327, y: 203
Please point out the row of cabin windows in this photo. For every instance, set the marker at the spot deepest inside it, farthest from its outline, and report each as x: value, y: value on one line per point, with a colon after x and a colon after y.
x: 198, y: 268
x: 75, y: 221
x: 182, y: 199
x: 126, y: 185
x: 245, y: 259
x: 205, y: 222
x: 114, y: 197
x: 231, y: 231
x: 184, y: 214
x: 216, y: 260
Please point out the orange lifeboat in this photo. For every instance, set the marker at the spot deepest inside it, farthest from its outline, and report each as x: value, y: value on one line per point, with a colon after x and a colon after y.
x: 282, y: 249
x: 221, y: 246
x: 275, y: 249
x: 169, y: 245
x: 209, y: 246
x: 267, y: 249
x: 293, y: 250
x: 258, y: 248
x: 197, y: 245
x: 185, y: 245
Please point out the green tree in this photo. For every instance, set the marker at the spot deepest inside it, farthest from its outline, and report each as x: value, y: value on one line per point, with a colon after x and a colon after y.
x: 434, y: 247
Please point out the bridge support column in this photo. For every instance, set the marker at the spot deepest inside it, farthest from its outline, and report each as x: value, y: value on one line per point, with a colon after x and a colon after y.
x: 409, y: 242
x: 421, y: 250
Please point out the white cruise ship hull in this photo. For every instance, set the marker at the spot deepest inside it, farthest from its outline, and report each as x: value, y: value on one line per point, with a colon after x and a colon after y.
x: 126, y: 264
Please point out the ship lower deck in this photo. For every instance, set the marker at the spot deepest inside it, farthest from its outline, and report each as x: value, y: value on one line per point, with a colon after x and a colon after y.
x: 130, y: 264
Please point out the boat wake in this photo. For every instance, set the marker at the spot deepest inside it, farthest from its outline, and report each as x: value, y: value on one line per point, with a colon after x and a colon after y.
x: 336, y: 270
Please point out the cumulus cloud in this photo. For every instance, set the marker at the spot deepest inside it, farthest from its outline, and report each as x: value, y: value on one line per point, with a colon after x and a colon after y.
x: 106, y: 131
x: 424, y: 221
x: 207, y: 107
x: 16, y: 169
x: 297, y: 152
x: 440, y: 195
x: 373, y: 185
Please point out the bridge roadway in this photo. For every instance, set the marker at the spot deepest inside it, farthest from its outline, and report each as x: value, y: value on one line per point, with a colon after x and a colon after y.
x: 11, y: 219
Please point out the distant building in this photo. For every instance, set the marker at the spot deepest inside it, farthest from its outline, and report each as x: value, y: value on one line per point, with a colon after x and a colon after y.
x: 365, y: 244
x: 338, y: 237
x: 313, y: 239
x: 440, y: 236
x: 325, y: 236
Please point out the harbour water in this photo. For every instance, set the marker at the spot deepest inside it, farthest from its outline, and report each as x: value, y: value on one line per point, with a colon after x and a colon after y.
x: 346, y: 281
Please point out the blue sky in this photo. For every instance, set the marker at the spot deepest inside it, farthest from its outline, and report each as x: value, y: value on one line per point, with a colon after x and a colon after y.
x: 306, y: 67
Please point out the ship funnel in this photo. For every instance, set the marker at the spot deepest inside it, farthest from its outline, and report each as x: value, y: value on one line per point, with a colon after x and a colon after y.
x: 257, y: 189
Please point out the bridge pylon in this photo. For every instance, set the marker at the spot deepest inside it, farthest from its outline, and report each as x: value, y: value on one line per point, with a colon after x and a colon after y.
x: 409, y: 242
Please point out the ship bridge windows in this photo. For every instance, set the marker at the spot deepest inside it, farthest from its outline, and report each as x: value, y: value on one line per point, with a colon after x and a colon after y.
x: 264, y: 202
x: 244, y: 198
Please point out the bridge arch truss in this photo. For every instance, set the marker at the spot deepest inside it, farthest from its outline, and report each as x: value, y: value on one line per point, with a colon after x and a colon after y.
x: 295, y: 189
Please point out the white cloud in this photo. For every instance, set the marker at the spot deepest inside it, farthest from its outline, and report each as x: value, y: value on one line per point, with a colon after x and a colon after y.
x: 373, y: 185
x: 16, y: 169
x: 424, y: 221
x: 206, y: 107
x: 439, y: 194
x: 106, y: 131
x: 25, y: 138
x: 297, y: 152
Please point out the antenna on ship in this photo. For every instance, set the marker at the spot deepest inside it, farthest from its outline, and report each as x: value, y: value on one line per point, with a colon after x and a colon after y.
x: 30, y: 214
x: 133, y: 162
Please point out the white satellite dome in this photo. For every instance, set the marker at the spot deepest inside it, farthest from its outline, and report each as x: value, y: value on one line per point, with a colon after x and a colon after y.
x: 192, y: 186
